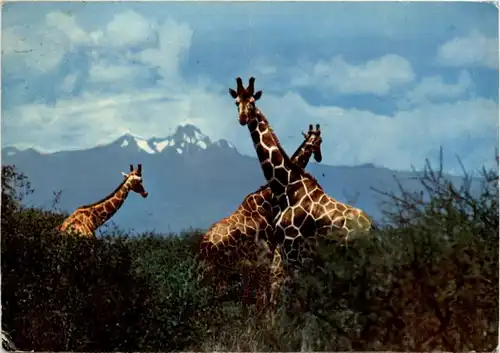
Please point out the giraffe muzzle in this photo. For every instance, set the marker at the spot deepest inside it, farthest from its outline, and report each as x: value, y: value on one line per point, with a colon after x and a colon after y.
x: 144, y: 194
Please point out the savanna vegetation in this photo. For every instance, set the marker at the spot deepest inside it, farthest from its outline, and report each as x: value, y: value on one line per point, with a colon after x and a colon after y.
x: 427, y: 282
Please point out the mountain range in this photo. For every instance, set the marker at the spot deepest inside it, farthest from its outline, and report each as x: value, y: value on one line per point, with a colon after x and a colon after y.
x: 192, y: 181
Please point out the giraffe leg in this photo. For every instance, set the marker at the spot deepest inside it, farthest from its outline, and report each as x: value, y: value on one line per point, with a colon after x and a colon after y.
x: 277, y: 275
x: 275, y: 290
x: 274, y: 295
x: 262, y: 290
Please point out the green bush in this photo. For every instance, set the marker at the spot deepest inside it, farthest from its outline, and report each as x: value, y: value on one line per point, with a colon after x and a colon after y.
x: 427, y: 282
x: 67, y: 293
x: 110, y: 293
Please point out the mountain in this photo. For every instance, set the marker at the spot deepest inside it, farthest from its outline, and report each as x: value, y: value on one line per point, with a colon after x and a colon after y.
x: 186, y: 139
x: 192, y: 181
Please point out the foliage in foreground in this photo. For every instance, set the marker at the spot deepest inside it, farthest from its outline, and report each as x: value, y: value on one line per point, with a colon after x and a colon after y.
x: 430, y: 282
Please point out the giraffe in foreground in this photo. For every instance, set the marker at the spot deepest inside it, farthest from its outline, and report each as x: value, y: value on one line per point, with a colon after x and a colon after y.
x: 306, y: 212
x: 86, y: 219
x: 241, y: 242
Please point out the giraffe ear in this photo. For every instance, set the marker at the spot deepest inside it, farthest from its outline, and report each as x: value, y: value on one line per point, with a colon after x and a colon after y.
x: 124, y: 175
x: 257, y: 95
x: 233, y: 93
x: 304, y: 134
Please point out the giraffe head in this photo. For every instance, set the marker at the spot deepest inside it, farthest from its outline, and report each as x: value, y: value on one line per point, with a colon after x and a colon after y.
x: 245, y: 99
x: 134, y: 179
x: 313, y: 141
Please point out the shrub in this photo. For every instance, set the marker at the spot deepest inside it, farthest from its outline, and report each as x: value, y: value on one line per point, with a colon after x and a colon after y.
x: 68, y: 293
x: 65, y: 293
x: 427, y: 281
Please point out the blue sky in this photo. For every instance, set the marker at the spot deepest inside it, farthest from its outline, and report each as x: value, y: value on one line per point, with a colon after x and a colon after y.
x: 389, y: 82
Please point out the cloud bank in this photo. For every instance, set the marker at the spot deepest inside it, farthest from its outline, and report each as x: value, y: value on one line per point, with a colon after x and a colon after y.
x: 89, y: 82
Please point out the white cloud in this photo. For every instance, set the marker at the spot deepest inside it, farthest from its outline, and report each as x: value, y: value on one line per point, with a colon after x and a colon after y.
x: 433, y: 88
x: 30, y: 47
x: 43, y: 47
x: 472, y: 50
x: 95, y: 118
x: 66, y: 23
x: 128, y: 29
x: 119, y: 74
x: 40, y: 48
x: 350, y: 135
x: 39, y: 51
x: 68, y: 83
x: 164, y: 45
x: 407, y: 137
x: 377, y: 76
x: 174, y: 41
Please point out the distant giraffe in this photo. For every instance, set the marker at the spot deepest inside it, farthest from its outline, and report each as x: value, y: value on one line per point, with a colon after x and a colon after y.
x: 237, y: 243
x: 86, y: 219
x: 306, y: 212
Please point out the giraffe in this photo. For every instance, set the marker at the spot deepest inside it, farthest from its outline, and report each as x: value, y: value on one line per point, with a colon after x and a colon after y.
x: 306, y: 213
x: 86, y: 219
x: 234, y: 243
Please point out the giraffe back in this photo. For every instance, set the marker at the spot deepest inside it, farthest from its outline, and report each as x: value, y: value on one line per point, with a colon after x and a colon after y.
x: 311, y: 214
x: 244, y: 234
x: 78, y: 223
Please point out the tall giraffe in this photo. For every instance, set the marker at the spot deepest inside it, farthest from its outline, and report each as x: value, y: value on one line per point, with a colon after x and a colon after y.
x: 86, y: 219
x: 237, y: 243
x: 306, y: 213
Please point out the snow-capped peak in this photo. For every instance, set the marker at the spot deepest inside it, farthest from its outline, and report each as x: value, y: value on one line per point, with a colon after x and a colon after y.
x: 188, y: 134
x: 130, y: 139
x: 144, y: 145
x: 128, y: 133
x: 185, y: 139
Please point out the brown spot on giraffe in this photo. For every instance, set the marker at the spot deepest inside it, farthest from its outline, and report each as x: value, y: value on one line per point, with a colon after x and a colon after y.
x: 245, y: 238
x: 86, y: 219
x: 306, y: 213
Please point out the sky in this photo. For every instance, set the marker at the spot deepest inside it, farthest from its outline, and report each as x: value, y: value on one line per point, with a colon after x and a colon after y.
x: 389, y: 82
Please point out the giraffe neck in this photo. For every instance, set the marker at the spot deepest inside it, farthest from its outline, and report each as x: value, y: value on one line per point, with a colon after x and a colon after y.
x: 302, y: 156
x: 277, y: 167
x: 104, y: 210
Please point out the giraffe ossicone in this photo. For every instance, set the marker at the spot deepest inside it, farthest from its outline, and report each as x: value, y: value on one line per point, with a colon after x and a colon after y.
x: 85, y: 220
